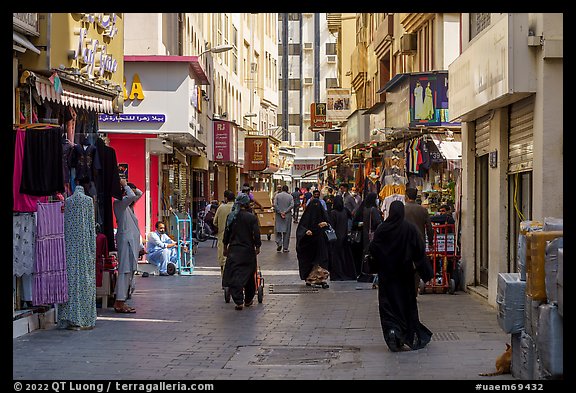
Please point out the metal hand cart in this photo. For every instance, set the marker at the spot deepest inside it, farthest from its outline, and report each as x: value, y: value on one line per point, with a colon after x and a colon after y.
x: 259, y: 287
x: 445, y: 259
x: 185, y: 264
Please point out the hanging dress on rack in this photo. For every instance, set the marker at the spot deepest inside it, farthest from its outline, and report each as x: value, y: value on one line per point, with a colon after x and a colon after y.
x: 80, y: 236
x: 22, y: 202
x: 50, y: 278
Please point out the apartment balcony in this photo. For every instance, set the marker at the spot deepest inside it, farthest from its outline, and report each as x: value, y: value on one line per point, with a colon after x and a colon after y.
x: 413, y: 21
x: 384, y: 36
x: 26, y: 23
x: 334, y: 22
x: 358, y: 64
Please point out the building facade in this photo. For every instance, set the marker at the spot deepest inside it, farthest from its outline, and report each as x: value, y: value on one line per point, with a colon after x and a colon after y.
x: 507, y: 89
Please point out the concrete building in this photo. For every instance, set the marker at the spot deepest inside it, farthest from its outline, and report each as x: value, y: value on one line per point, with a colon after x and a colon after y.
x: 506, y: 87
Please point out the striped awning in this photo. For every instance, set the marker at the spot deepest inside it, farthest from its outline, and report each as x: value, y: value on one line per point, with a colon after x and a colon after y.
x: 73, y: 96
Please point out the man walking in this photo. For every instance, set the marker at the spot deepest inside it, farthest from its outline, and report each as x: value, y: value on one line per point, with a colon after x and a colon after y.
x: 220, y: 223
x: 349, y: 201
x: 296, y: 195
x: 283, y: 205
x: 418, y: 215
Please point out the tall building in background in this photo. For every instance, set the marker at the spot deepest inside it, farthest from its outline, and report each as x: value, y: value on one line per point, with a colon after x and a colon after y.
x: 308, y: 67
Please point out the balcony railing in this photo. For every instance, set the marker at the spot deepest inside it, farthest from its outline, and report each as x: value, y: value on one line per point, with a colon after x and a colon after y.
x: 26, y: 22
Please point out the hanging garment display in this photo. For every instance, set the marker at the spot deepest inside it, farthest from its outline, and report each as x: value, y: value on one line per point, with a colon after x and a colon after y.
x: 22, y: 202
x: 23, y: 243
x: 80, y: 237
x: 50, y: 279
x: 42, y: 163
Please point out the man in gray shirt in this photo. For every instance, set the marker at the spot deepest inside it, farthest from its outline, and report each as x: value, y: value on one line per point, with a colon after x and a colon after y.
x: 418, y: 215
x: 349, y: 201
x: 283, y: 205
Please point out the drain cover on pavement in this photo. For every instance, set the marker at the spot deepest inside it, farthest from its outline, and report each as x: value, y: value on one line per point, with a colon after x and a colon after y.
x: 299, y: 356
x: 445, y: 336
x: 291, y: 289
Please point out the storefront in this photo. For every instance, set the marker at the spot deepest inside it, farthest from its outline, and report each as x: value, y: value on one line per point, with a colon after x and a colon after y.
x: 59, y: 93
x: 512, y: 139
x: 158, y: 142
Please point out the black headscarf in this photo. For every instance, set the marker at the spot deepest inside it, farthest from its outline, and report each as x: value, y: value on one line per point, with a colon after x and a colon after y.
x: 313, y: 215
x: 397, y: 243
x: 367, y: 203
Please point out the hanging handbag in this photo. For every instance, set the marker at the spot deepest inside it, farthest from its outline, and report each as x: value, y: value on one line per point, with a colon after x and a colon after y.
x: 369, y: 265
x: 330, y: 234
x: 355, y: 236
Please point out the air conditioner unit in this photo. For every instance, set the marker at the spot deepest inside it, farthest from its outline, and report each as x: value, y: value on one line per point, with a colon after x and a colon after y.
x: 307, y: 81
x: 408, y: 44
x: 308, y: 46
x: 253, y: 68
x: 331, y: 58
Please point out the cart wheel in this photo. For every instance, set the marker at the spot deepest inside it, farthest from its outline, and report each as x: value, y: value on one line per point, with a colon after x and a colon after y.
x: 227, y: 294
x: 452, y: 287
x: 260, y: 294
x: 268, y: 236
x: 171, y: 269
x: 422, y: 287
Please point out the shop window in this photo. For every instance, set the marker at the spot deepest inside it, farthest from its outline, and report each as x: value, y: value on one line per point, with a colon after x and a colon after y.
x: 520, y: 209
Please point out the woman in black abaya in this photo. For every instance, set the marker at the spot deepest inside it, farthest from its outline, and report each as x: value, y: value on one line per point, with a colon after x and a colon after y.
x: 396, y: 246
x: 341, y: 259
x: 312, y: 244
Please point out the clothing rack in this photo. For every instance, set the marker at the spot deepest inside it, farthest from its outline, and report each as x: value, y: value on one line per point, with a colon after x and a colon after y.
x: 27, y: 126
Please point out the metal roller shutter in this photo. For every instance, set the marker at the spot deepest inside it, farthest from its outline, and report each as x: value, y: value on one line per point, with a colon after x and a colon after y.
x: 521, y: 137
x: 482, y: 135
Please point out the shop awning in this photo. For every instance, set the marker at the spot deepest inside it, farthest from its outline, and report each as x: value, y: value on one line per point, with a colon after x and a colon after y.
x: 73, y: 96
x: 451, y: 150
x: 198, y: 73
x: 23, y: 43
x: 326, y: 165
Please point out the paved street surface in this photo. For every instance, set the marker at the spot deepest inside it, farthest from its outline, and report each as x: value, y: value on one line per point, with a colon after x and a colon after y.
x: 184, y: 330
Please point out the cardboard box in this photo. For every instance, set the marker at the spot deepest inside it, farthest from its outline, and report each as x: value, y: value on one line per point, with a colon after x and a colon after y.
x: 535, y: 263
x: 263, y: 198
x: 265, y: 217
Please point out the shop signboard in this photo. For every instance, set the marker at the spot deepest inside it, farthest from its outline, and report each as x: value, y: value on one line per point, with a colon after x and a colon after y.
x: 332, y: 142
x: 256, y: 153
x: 337, y: 104
x: 225, y: 142
x: 356, y: 130
x: 262, y: 154
x: 429, y: 100
x: 397, y: 105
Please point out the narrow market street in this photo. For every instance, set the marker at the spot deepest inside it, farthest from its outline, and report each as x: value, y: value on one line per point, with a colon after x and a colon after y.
x: 184, y: 330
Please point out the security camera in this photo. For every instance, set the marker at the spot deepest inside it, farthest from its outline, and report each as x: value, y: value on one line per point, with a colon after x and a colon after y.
x: 164, y: 141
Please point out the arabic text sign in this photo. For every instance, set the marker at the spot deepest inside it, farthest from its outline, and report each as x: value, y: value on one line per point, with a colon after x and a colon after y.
x: 222, y: 141
x: 126, y: 117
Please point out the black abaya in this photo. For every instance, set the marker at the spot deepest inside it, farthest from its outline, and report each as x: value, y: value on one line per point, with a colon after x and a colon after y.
x: 396, y: 246
x: 243, y: 238
x: 312, y: 249
x: 341, y: 259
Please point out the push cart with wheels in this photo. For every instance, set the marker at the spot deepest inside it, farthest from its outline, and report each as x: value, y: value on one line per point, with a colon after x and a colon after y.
x: 259, y: 279
x: 445, y: 261
x: 185, y: 259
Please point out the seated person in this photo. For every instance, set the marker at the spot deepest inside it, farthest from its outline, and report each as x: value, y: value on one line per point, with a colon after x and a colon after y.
x: 209, y: 219
x: 161, y: 249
